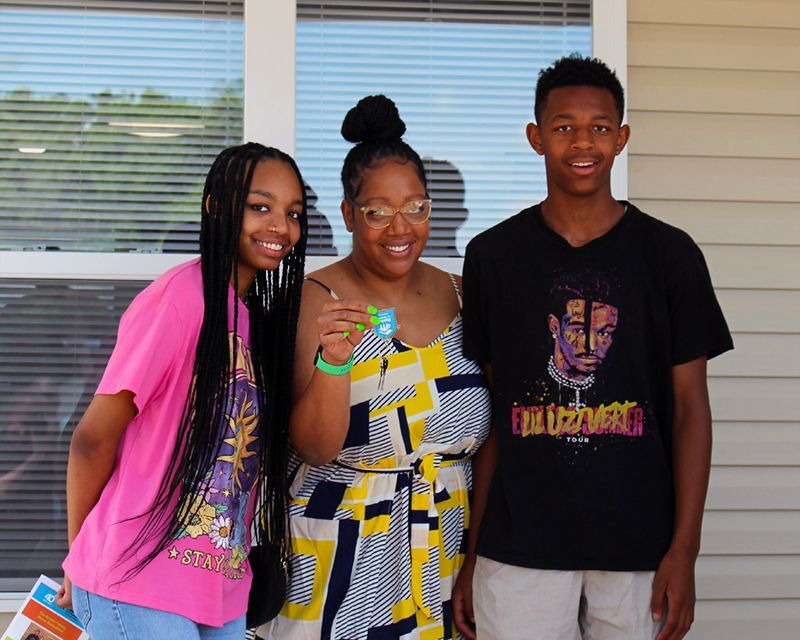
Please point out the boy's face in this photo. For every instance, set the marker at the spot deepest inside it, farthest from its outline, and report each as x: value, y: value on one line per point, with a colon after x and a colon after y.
x: 579, y: 136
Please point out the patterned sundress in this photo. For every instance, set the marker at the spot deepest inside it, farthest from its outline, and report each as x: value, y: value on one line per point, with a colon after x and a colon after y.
x: 379, y: 534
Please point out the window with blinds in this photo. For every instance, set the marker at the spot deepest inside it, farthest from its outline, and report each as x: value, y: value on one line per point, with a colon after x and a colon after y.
x: 463, y: 76
x: 55, y: 340
x: 111, y: 113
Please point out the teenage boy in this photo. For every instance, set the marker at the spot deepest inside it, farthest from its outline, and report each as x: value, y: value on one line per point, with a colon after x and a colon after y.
x: 588, y: 495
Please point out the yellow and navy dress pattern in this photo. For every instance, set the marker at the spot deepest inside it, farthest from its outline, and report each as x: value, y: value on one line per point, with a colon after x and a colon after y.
x: 379, y: 535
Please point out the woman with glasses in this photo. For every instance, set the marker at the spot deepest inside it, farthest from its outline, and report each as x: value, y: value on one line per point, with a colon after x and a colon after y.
x: 387, y: 412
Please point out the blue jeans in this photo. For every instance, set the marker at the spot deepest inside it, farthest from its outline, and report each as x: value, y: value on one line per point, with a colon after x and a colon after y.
x: 106, y: 619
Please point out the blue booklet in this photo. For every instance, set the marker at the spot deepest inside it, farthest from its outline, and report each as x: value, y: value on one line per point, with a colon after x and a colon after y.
x: 40, y: 618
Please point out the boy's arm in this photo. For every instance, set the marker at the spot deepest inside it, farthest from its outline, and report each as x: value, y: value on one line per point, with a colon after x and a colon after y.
x: 673, y: 586
x: 483, y: 466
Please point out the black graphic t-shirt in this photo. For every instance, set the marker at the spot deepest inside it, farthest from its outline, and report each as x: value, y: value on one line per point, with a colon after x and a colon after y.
x: 582, y: 341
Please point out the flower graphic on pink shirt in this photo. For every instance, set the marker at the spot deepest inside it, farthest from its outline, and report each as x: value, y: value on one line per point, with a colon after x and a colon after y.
x: 199, y: 521
x: 220, y: 533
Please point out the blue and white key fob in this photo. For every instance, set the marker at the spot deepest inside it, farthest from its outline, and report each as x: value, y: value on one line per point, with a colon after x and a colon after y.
x: 388, y: 325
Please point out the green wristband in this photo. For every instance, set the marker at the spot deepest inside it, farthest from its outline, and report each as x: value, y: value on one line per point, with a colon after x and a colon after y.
x: 333, y: 369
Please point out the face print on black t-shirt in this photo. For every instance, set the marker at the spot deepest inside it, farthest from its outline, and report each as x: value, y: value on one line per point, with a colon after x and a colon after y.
x: 583, y: 335
x: 573, y: 398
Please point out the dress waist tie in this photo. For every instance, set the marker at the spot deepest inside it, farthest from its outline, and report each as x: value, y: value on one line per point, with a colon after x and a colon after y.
x: 424, y: 531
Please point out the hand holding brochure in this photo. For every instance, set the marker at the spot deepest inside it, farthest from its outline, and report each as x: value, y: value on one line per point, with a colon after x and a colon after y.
x: 40, y: 618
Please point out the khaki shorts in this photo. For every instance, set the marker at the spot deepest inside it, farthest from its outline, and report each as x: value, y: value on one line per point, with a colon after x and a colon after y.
x: 516, y: 603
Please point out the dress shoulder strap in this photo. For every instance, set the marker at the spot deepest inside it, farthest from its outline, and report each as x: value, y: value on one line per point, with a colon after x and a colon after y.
x: 457, y: 289
x: 326, y: 287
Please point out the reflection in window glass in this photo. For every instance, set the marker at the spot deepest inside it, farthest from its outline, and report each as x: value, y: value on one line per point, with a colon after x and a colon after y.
x: 464, y: 88
x: 55, y: 339
x: 110, y: 118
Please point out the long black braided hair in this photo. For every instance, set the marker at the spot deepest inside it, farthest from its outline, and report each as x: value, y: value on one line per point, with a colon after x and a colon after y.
x: 273, y: 303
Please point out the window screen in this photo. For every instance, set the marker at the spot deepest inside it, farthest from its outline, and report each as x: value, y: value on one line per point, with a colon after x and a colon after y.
x: 111, y: 113
x: 463, y: 76
x: 55, y: 339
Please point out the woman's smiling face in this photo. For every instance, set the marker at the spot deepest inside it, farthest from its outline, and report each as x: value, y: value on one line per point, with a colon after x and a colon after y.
x: 390, y: 252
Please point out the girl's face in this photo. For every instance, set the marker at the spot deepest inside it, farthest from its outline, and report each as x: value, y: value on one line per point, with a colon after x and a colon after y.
x: 395, y: 249
x: 271, y: 223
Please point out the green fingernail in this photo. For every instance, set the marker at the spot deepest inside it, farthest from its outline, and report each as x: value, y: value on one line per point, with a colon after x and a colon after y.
x: 360, y: 326
x: 375, y: 320
x: 346, y: 333
x: 372, y: 310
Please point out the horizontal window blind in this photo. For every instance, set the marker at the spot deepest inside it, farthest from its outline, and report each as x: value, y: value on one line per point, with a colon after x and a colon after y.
x: 111, y: 113
x: 481, y: 11
x: 55, y: 340
x: 463, y: 76
x: 185, y: 8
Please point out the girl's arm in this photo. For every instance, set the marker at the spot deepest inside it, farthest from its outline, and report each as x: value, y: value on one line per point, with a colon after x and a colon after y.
x: 93, y: 452
x: 92, y: 455
x: 321, y: 413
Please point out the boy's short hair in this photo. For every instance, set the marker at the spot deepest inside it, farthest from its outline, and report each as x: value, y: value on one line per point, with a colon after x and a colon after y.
x: 576, y: 71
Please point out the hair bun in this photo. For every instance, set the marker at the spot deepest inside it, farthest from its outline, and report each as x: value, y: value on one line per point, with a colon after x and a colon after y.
x: 373, y: 118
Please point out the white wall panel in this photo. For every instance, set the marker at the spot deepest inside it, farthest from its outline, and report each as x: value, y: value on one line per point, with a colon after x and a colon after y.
x: 714, y: 104
x: 756, y: 444
x: 754, y: 266
x: 707, y: 221
x: 754, y: 401
x: 754, y: 488
x: 780, y: 14
x: 751, y: 533
x: 756, y: 356
x: 715, y: 135
x: 713, y: 90
x: 746, y: 619
x: 740, y: 577
x: 712, y: 178
x: 700, y: 47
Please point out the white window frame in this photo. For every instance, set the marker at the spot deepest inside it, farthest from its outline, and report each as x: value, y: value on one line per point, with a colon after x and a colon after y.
x: 269, y: 117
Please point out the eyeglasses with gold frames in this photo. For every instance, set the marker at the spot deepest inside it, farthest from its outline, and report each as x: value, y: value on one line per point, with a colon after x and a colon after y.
x: 380, y: 216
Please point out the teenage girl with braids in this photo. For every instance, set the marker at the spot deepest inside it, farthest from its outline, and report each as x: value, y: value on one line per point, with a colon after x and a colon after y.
x: 184, y: 443
x: 385, y: 426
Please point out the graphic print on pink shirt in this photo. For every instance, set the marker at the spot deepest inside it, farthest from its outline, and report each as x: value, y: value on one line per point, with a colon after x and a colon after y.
x: 221, y: 505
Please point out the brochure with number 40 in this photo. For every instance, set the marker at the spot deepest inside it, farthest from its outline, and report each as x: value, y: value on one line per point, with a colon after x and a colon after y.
x: 40, y: 618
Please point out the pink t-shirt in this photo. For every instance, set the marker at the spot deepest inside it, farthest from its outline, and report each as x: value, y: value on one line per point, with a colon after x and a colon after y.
x: 203, y: 574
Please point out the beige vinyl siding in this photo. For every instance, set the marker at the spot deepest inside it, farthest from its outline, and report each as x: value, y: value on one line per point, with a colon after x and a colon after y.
x: 711, y: 13
x: 717, y: 91
x: 714, y: 106
x: 704, y: 220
